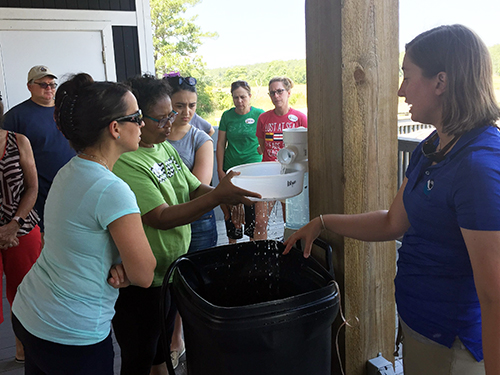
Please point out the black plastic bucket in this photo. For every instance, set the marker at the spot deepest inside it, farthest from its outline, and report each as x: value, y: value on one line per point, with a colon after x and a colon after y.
x: 248, y: 309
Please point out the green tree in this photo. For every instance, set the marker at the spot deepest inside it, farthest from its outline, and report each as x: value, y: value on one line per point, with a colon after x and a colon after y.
x: 176, y: 40
x: 495, y: 57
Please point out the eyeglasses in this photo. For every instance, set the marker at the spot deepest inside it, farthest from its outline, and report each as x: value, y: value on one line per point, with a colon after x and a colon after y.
x: 44, y: 85
x: 163, y: 121
x: 135, y: 117
x: 277, y: 92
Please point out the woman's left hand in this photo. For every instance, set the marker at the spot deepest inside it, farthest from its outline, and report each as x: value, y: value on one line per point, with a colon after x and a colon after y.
x: 8, y: 235
x: 118, y: 277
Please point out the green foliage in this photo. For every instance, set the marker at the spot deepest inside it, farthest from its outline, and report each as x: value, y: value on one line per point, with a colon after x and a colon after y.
x: 296, y: 98
x: 259, y: 74
x: 176, y: 40
x: 495, y: 57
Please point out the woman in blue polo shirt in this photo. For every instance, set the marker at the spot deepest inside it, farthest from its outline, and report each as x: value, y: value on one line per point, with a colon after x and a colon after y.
x: 448, y: 209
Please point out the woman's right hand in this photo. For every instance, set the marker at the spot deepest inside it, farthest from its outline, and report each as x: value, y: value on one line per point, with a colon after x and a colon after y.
x: 227, y: 193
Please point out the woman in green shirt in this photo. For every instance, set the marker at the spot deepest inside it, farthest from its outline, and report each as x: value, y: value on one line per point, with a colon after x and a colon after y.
x: 237, y: 144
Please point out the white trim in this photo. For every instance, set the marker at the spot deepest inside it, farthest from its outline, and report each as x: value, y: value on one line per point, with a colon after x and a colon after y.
x: 58, y: 25
x: 116, y: 18
x: 109, y: 52
x: 145, y: 36
x: 64, y: 19
x: 5, y: 98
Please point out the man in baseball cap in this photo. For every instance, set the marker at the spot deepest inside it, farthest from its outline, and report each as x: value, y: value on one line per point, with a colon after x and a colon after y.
x: 35, y: 119
x: 38, y: 72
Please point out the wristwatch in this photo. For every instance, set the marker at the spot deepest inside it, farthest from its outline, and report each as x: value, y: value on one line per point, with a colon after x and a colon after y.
x: 19, y: 220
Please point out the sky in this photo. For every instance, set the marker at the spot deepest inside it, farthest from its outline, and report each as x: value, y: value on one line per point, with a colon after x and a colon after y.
x: 253, y: 31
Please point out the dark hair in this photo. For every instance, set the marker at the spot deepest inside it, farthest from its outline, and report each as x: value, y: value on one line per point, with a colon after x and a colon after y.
x: 148, y: 90
x: 237, y: 84
x: 183, y: 86
x: 84, y: 108
x: 469, y: 99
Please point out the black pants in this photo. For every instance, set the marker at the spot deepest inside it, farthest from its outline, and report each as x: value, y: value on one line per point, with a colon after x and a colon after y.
x: 49, y: 358
x: 137, y: 327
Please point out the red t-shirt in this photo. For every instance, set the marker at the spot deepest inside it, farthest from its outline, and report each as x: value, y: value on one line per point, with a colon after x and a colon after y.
x: 270, y: 128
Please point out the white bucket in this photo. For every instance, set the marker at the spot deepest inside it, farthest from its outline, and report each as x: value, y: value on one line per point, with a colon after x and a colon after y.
x: 266, y: 179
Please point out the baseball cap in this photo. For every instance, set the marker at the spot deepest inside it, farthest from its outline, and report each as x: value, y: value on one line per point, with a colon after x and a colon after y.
x: 39, y: 71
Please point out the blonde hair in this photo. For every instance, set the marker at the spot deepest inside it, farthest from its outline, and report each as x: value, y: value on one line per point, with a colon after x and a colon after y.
x: 469, y: 100
x: 287, y: 82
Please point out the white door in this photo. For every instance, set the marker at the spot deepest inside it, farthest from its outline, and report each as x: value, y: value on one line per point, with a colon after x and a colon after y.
x: 86, y: 49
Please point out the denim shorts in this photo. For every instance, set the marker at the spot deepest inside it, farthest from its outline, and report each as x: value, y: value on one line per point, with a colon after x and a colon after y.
x: 203, y: 232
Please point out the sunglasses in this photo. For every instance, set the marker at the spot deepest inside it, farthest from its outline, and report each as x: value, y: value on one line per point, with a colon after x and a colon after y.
x: 191, y: 81
x: 163, y: 121
x: 277, y: 92
x: 429, y: 149
x: 135, y: 117
x: 239, y: 84
x: 45, y: 86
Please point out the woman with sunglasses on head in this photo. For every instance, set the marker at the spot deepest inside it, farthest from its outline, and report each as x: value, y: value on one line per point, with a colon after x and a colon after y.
x: 270, y: 134
x: 448, y: 209
x: 236, y: 145
x: 94, y: 241
x: 196, y: 150
x: 170, y: 197
x: 196, y: 121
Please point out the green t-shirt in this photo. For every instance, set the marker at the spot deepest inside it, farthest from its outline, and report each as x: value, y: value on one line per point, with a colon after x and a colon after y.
x: 242, y: 142
x: 157, y: 175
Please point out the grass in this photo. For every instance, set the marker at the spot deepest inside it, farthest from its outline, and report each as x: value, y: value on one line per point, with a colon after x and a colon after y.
x: 298, y: 100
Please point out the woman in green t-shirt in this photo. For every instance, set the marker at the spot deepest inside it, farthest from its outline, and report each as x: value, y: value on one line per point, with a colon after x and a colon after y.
x: 237, y: 144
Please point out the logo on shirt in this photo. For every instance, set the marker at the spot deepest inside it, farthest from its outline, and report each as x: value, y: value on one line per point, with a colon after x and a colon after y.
x: 165, y: 170
x: 428, y: 186
x: 273, y: 137
x: 250, y: 121
x: 293, y: 118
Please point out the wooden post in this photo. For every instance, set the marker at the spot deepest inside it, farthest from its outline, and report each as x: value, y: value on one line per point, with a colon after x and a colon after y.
x: 352, y: 79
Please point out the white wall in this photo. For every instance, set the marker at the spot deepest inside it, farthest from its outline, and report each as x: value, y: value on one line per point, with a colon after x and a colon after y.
x: 67, y: 41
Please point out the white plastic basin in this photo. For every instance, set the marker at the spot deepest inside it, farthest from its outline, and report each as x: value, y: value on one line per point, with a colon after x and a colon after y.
x: 266, y: 179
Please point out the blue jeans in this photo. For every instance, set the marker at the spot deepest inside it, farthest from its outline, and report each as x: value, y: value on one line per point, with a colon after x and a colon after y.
x: 203, y: 232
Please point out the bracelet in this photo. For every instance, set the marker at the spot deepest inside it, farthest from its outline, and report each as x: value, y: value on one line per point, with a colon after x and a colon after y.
x: 322, y: 221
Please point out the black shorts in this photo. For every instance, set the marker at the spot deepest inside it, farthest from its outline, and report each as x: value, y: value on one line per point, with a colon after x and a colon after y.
x: 137, y: 326
x: 249, y: 226
x: 47, y: 357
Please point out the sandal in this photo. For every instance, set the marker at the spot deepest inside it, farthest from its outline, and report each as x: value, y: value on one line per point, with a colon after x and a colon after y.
x: 175, y: 355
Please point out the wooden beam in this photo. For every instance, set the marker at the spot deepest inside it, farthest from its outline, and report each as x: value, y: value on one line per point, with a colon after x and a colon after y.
x: 352, y: 77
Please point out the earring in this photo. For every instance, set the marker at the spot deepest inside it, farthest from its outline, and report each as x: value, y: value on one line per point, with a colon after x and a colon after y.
x: 118, y: 137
